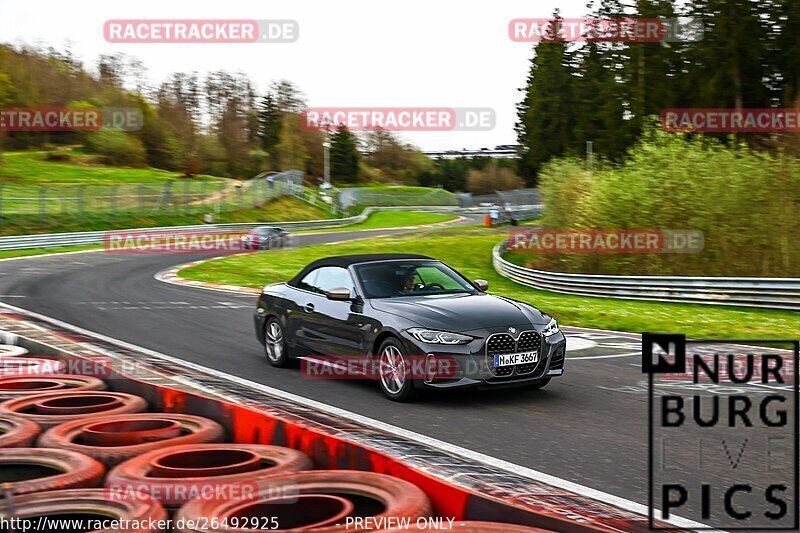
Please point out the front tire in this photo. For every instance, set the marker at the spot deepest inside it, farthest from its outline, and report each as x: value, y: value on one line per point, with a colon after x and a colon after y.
x: 395, y: 378
x: 275, y: 346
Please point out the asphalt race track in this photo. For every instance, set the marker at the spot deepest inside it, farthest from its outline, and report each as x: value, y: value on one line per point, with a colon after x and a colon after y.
x: 588, y: 427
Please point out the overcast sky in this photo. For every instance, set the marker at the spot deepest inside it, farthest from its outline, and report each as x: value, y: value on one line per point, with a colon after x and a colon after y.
x: 415, y: 53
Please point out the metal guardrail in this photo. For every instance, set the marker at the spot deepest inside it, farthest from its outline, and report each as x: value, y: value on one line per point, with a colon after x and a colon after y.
x: 54, y: 240
x: 774, y: 293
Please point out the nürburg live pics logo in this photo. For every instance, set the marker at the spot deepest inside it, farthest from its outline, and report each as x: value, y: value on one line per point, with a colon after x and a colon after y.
x: 723, y: 432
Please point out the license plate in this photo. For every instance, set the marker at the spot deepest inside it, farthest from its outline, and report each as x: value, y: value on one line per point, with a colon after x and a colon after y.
x: 510, y: 359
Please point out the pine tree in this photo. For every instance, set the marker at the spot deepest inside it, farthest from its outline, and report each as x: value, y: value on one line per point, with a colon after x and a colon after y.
x: 545, y: 115
x: 269, y: 127
x: 344, y: 156
x: 787, y: 14
x: 599, y: 109
x: 727, y: 68
x: 653, y: 68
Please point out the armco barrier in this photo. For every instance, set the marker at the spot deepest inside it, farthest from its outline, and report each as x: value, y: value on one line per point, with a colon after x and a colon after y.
x: 53, y: 240
x: 773, y: 293
x: 458, y: 487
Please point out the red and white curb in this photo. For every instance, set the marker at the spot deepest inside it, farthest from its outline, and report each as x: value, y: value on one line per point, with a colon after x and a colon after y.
x: 170, y: 275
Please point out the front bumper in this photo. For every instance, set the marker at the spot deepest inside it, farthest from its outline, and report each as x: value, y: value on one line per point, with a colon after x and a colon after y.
x: 468, y: 365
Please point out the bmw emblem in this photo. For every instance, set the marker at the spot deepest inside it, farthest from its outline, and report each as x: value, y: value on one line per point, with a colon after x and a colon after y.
x: 512, y: 330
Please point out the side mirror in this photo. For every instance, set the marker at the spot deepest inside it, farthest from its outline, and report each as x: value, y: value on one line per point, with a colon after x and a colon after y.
x: 338, y: 294
x: 481, y: 284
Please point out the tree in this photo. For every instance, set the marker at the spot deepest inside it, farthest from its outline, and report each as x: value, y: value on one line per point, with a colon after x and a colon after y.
x: 653, y: 69
x: 5, y: 98
x: 728, y: 67
x: 178, y: 103
x: 393, y: 159
x: 288, y: 97
x: 291, y: 150
x: 545, y: 115
x: 491, y: 178
x: 160, y: 144
x: 344, y: 156
x: 313, y: 140
x: 788, y: 50
x: 269, y: 126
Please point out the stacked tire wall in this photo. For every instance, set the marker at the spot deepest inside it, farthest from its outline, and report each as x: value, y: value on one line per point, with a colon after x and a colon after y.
x: 156, y: 409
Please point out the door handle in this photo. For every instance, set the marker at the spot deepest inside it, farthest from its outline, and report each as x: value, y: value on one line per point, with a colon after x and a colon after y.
x: 309, y: 308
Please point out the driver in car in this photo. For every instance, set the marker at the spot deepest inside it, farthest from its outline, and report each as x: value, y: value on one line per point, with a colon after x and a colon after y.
x: 407, y: 281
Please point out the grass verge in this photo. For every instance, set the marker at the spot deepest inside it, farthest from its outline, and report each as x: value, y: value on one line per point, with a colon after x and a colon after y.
x: 290, y: 209
x: 394, y: 219
x: 284, y: 209
x: 33, y: 168
x: 7, y: 254
x: 470, y: 252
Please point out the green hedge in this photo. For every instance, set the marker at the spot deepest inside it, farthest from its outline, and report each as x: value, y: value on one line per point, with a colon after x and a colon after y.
x: 747, y: 204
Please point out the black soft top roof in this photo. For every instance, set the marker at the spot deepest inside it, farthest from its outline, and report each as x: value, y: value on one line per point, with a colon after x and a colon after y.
x: 345, y: 261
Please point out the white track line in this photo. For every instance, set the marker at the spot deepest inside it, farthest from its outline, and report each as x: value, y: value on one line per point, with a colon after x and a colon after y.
x: 589, y: 357
x: 446, y: 447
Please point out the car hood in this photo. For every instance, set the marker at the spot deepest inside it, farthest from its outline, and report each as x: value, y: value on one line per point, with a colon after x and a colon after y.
x: 461, y: 312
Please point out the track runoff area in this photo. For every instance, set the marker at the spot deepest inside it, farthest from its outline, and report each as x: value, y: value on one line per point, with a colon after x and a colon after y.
x: 703, y: 434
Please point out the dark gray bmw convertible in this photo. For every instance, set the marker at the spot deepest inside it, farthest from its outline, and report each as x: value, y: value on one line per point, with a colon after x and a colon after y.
x: 409, y: 322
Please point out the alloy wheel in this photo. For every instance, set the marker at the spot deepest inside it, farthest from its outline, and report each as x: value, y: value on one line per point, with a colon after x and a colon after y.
x: 274, y: 342
x: 392, y: 369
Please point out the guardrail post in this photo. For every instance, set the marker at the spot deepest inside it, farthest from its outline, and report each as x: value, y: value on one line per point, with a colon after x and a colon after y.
x: 166, y: 194
x: 1, y: 200
x: 141, y: 198
x: 240, y: 195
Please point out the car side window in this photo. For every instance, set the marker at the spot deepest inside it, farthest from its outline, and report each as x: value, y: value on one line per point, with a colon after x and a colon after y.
x: 333, y: 278
x: 308, y: 283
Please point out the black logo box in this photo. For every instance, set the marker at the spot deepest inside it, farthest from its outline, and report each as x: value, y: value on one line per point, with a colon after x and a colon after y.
x: 671, y: 359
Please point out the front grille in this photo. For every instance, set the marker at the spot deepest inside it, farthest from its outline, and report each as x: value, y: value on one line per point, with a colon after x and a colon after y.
x: 502, y: 343
x: 497, y: 344
x: 529, y: 341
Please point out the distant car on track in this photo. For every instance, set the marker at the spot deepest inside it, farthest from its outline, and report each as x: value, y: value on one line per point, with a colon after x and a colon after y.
x: 265, y: 238
x: 396, y: 309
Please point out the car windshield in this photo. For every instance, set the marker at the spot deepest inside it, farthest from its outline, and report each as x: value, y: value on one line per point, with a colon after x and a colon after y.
x: 392, y: 279
x: 264, y: 231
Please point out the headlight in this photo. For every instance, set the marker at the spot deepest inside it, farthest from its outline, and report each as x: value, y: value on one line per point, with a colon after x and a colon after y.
x: 438, y: 337
x: 551, y: 328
